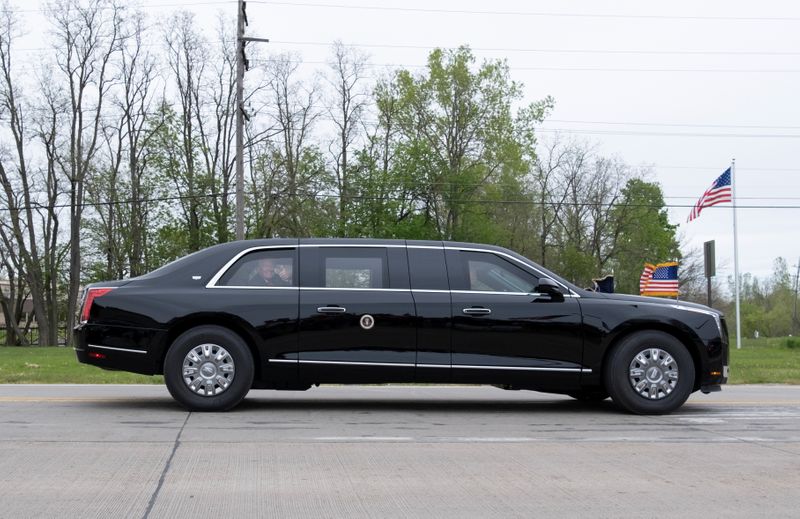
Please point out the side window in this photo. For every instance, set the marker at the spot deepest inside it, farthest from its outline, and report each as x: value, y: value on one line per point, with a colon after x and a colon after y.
x: 487, y: 272
x: 354, y: 268
x: 263, y: 268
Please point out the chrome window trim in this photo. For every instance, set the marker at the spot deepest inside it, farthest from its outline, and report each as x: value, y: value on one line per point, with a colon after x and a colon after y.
x: 244, y: 287
x: 356, y: 289
x: 127, y: 350
x: 212, y: 283
x: 410, y: 365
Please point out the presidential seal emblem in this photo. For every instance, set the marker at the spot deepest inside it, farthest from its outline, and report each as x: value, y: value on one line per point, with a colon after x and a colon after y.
x: 367, y: 321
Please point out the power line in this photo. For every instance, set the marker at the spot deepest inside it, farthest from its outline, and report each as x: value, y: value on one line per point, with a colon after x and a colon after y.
x: 557, y: 51
x: 482, y: 12
x: 565, y: 69
x: 309, y: 195
x: 134, y: 7
x: 670, y: 134
x: 676, y: 125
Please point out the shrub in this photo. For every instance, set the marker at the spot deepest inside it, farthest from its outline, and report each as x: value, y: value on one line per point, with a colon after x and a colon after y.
x: 793, y: 342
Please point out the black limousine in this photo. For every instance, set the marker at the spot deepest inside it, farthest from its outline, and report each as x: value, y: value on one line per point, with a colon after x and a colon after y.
x: 289, y: 314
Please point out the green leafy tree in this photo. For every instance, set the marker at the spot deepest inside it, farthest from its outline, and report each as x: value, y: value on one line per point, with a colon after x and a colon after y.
x: 641, y: 233
x: 459, y: 135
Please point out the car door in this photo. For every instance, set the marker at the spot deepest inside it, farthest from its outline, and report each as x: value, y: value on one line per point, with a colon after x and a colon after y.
x: 503, y: 331
x: 259, y: 288
x: 356, y: 314
x: 431, y: 290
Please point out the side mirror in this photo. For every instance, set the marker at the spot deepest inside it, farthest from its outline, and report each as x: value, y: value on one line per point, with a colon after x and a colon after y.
x: 549, y: 287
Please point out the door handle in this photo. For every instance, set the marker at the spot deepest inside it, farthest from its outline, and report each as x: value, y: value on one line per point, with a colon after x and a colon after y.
x: 477, y: 311
x: 331, y: 309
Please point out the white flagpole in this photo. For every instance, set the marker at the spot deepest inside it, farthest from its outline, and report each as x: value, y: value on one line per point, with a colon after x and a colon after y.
x: 736, y: 258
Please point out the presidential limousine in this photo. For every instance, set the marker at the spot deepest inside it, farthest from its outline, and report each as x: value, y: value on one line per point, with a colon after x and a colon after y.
x: 287, y: 314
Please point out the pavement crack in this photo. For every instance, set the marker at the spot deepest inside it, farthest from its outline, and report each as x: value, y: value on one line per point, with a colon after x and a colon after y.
x: 167, y: 465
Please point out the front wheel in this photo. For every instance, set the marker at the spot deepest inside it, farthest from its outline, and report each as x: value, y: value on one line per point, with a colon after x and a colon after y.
x: 208, y: 368
x: 649, y: 372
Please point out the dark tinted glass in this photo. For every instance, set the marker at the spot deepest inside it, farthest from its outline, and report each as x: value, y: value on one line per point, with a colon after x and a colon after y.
x: 487, y: 272
x: 354, y: 267
x: 264, y: 268
x: 427, y: 269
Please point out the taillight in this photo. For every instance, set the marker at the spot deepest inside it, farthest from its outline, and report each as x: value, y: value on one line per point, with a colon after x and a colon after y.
x: 91, y: 295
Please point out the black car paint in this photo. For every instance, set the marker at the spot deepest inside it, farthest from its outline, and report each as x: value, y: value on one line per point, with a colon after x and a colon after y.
x: 421, y: 335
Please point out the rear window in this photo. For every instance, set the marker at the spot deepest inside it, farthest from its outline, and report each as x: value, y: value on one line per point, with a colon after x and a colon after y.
x: 262, y: 268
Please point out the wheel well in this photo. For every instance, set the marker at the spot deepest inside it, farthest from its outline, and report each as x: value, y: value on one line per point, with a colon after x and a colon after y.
x: 674, y: 332
x: 190, y: 322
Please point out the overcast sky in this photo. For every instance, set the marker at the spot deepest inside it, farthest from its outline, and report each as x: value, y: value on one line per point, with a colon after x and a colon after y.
x: 723, y: 83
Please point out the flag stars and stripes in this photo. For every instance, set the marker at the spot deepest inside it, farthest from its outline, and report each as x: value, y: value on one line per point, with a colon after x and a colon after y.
x: 661, y: 280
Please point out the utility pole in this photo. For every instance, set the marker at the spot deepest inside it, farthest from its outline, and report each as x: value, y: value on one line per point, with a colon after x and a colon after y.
x: 796, y: 287
x: 241, y: 67
x: 710, y: 264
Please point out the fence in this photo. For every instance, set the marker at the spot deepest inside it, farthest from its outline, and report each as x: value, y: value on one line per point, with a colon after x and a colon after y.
x: 32, y: 335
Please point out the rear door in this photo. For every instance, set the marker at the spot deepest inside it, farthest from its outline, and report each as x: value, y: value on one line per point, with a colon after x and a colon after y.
x: 356, y: 314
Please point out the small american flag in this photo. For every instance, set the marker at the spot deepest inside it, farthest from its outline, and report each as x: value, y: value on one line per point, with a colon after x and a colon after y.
x: 645, y: 277
x: 662, y: 280
x: 718, y: 193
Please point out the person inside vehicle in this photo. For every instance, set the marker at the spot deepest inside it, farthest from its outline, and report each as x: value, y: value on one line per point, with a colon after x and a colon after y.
x: 271, y: 273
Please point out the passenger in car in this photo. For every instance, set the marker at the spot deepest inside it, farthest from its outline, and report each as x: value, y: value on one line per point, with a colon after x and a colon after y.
x: 269, y: 272
x: 478, y: 271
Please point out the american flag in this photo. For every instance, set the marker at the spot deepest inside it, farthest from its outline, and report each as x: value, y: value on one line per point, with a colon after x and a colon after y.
x: 662, y: 280
x: 718, y: 193
x: 645, y: 277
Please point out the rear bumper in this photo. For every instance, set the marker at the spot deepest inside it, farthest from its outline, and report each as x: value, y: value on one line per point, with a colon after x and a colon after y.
x: 138, y: 350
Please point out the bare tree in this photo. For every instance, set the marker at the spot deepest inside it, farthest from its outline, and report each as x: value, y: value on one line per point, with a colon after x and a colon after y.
x: 293, y: 116
x: 85, y: 38
x: 138, y: 71
x: 549, y: 192
x: 29, y: 235
x: 120, y: 184
x: 349, y: 100
x: 187, y: 56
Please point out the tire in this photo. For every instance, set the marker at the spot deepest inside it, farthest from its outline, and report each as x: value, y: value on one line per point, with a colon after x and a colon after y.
x: 649, y: 372
x: 590, y: 395
x: 208, y: 368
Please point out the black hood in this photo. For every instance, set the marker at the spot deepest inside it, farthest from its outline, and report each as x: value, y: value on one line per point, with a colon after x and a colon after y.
x: 653, y: 300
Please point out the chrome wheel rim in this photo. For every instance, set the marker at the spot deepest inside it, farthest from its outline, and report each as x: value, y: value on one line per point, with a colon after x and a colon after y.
x: 653, y: 373
x: 208, y: 369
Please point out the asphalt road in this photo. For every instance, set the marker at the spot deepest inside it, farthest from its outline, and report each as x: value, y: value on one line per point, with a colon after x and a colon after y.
x: 395, y: 451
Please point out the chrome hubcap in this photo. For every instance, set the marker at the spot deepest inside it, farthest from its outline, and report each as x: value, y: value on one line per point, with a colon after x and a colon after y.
x: 208, y: 369
x: 653, y: 373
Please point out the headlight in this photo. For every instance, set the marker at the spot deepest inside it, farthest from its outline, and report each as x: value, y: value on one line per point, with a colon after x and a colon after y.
x: 715, y: 315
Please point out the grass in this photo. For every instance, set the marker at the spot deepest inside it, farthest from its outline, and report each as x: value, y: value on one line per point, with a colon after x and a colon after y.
x: 773, y: 360
x: 52, y: 365
x: 760, y: 361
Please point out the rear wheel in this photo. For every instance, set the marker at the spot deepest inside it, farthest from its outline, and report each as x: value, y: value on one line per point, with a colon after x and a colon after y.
x: 208, y: 368
x: 649, y: 372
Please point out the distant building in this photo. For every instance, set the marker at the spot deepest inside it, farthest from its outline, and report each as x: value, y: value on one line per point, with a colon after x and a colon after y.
x: 27, y: 305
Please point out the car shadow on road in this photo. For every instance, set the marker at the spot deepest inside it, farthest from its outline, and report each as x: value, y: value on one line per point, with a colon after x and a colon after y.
x: 255, y: 404
x: 367, y: 405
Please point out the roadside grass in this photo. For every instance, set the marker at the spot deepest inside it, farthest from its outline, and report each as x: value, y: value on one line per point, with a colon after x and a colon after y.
x: 54, y: 365
x: 774, y: 360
